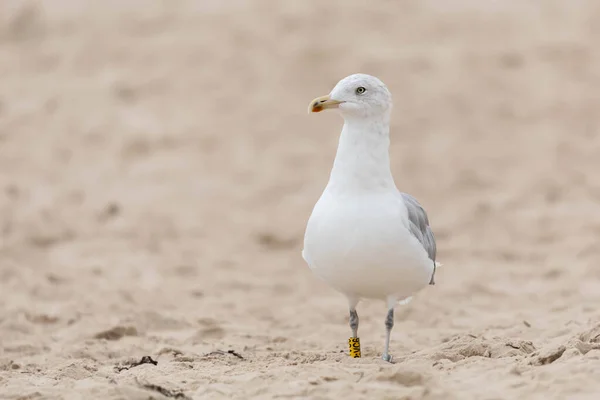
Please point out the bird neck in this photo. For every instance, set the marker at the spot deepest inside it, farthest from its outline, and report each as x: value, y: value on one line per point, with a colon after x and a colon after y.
x: 362, y: 161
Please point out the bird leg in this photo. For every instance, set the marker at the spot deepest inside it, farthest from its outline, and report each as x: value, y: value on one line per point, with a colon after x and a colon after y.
x: 389, y: 324
x: 354, y: 322
x: 354, y: 341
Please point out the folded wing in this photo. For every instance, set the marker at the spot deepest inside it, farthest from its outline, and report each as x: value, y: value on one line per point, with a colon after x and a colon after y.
x: 419, y: 227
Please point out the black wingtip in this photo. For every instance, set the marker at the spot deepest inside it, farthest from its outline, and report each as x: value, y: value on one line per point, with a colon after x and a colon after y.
x: 432, y: 281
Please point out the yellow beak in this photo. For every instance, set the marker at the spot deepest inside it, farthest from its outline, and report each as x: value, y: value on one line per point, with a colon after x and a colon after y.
x: 321, y: 103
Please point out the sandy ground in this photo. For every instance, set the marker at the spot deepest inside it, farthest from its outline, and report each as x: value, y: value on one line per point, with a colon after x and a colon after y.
x: 157, y: 168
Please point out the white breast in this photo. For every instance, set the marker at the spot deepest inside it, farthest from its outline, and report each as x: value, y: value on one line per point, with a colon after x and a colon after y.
x: 360, y: 245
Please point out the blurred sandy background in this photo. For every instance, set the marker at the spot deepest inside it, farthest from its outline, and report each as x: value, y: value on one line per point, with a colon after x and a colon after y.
x: 157, y: 168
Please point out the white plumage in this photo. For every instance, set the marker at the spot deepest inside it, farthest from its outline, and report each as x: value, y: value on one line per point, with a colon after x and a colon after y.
x: 364, y: 237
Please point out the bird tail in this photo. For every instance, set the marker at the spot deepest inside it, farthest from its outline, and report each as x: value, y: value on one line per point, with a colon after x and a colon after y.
x: 405, y: 301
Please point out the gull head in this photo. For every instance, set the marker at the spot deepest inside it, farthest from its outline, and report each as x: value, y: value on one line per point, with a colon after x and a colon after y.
x: 356, y: 96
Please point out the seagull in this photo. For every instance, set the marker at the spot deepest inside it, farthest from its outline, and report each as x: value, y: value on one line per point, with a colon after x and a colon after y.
x: 364, y: 237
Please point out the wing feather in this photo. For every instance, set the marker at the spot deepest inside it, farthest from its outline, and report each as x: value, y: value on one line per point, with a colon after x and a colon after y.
x: 419, y: 227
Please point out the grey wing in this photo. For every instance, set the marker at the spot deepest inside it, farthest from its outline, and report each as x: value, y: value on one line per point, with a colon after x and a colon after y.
x: 419, y: 225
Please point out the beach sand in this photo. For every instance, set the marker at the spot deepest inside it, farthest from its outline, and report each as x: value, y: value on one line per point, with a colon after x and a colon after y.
x: 158, y: 166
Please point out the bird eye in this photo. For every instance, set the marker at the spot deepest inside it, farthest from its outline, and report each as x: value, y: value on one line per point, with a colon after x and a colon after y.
x: 360, y: 90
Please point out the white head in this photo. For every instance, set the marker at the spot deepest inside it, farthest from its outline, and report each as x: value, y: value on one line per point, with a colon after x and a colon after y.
x: 357, y: 95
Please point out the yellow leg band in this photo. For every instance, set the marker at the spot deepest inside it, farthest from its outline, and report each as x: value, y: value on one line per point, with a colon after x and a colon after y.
x: 354, y: 346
